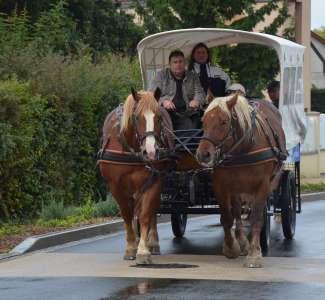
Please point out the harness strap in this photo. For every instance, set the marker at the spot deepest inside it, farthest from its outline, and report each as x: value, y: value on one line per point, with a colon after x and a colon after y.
x: 154, y: 174
x: 131, y: 157
x: 281, y: 155
x: 116, y: 156
x: 248, y: 158
x: 276, y: 150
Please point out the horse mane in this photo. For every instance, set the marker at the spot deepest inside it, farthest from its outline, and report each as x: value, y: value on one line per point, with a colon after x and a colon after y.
x: 147, y: 102
x: 242, y: 109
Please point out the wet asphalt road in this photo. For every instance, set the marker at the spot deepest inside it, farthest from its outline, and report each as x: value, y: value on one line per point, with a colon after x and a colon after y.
x: 203, y: 237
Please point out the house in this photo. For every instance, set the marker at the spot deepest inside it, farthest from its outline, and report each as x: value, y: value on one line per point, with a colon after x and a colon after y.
x: 317, y: 61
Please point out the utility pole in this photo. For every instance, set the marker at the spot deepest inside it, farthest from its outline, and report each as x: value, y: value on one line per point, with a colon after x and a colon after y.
x: 302, y: 18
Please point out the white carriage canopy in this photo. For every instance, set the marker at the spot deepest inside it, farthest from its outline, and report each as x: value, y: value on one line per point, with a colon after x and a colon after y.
x: 154, y: 51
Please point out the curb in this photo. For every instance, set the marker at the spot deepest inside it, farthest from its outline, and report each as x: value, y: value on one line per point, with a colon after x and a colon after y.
x: 44, y: 241
x: 313, y: 196
x: 71, y: 235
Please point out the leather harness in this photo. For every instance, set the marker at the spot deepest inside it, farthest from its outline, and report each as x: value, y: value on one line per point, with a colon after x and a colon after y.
x: 136, y: 158
x: 253, y: 157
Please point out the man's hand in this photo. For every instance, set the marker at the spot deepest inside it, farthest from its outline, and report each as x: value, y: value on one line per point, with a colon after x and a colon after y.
x: 169, y: 105
x: 194, y: 104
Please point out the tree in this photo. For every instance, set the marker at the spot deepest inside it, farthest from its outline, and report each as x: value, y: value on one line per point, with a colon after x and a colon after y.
x: 99, y: 24
x: 34, y: 7
x: 252, y: 65
x: 105, y: 27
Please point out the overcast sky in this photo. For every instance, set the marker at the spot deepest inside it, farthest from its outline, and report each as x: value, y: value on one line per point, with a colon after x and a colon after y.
x: 317, y: 13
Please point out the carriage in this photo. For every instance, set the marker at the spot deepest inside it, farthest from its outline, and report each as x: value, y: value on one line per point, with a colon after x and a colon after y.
x: 187, y: 189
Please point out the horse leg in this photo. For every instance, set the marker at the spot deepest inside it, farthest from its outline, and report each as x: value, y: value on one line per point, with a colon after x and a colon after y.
x: 148, y: 206
x: 126, y: 206
x: 254, y: 258
x: 153, y: 239
x: 239, y: 231
x: 231, y: 248
x: 131, y: 239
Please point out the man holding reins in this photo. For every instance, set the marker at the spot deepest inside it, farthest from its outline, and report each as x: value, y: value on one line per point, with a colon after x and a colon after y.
x: 181, y: 92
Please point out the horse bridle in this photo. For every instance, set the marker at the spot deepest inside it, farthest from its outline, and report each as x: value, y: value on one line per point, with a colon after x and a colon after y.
x: 141, y: 137
x: 219, y: 144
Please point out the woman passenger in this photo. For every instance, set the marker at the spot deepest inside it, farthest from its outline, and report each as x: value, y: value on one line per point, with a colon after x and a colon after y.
x: 211, y: 76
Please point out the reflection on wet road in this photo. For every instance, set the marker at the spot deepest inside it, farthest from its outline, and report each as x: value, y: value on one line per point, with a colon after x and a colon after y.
x: 204, y: 236
x: 199, y: 289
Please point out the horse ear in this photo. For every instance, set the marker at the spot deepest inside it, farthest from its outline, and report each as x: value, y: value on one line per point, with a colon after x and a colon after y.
x: 157, y: 93
x: 210, y: 96
x: 232, y: 102
x: 134, y: 94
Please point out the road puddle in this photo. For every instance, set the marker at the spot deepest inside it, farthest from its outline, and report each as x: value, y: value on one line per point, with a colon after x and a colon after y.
x: 141, y: 288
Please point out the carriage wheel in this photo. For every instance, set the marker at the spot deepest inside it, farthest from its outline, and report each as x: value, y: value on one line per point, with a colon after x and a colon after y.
x: 289, y: 205
x: 265, y: 236
x: 179, y: 221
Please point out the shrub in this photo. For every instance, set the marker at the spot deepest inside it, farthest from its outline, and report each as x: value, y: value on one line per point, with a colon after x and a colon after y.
x: 106, y: 208
x: 87, y: 210
x: 67, y: 222
x: 8, y: 229
x: 22, y: 145
x: 54, y: 210
x: 318, y: 100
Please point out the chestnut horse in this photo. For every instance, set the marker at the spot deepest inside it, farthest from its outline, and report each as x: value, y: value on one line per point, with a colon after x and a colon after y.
x: 244, y: 143
x: 128, y: 161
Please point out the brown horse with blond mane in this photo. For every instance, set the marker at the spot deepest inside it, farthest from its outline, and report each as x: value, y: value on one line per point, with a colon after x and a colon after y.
x: 129, y: 162
x: 244, y: 144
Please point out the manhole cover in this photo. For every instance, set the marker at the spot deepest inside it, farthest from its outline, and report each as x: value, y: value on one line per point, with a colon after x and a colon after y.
x: 165, y: 266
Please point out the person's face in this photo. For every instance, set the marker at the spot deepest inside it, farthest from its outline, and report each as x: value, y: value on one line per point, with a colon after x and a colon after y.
x: 177, y: 65
x: 274, y: 95
x: 201, y: 55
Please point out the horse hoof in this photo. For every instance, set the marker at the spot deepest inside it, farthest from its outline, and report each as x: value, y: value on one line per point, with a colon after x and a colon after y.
x: 129, y: 257
x: 253, y: 262
x: 155, y: 250
x: 232, y: 252
x: 143, y: 259
x: 130, y: 254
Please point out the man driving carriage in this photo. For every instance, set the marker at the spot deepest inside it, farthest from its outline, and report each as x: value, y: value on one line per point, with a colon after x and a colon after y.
x: 181, y: 92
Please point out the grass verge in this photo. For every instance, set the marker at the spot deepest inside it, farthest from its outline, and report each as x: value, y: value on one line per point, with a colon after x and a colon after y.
x: 55, y: 217
x: 312, y: 187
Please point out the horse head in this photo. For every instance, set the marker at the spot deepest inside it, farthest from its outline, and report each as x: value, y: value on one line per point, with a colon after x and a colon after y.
x: 222, y: 120
x: 141, y: 122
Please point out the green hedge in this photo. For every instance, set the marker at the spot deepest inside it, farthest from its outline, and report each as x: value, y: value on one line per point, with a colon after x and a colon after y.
x: 55, y: 92
x: 318, y: 100
x: 50, y: 128
x: 22, y: 146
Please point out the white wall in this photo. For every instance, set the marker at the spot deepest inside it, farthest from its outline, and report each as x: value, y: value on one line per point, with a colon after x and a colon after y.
x: 322, y: 131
